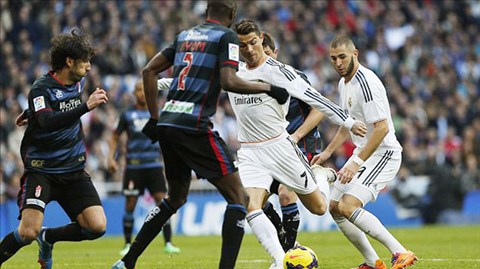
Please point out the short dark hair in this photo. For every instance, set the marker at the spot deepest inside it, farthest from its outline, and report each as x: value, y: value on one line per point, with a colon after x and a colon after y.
x: 220, y: 8
x: 246, y: 26
x: 268, y: 41
x: 75, y: 45
x: 342, y: 40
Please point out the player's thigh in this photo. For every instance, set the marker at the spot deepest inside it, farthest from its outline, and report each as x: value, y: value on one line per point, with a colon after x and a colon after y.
x: 253, y: 172
x: 36, y: 191
x: 79, y: 194
x: 289, y: 166
x: 93, y: 219
x: 371, y: 178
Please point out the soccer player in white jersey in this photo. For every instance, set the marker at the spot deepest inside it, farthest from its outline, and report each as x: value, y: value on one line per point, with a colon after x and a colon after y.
x: 375, y: 160
x: 267, y: 151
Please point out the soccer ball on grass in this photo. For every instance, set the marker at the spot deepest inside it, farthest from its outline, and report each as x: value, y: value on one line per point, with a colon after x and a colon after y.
x: 300, y: 257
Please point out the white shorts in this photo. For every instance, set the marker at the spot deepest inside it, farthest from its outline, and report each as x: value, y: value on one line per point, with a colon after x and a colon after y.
x: 371, y: 178
x: 279, y: 158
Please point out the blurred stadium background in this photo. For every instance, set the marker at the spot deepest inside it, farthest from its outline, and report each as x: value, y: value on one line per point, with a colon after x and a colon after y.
x: 427, y: 52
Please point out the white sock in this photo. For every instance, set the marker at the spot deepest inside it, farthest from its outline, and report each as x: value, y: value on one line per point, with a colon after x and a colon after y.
x: 266, y: 234
x: 372, y: 226
x: 322, y: 183
x: 358, y: 239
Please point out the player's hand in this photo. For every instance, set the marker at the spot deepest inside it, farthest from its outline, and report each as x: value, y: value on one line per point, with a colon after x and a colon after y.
x: 150, y: 130
x: 280, y: 94
x: 164, y: 83
x: 347, y: 172
x: 98, y: 97
x: 359, y: 128
x: 112, y: 166
x: 320, y: 158
x: 22, y: 119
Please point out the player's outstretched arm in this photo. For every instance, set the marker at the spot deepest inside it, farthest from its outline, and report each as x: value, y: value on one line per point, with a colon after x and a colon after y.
x: 340, y: 137
x: 229, y: 81
x: 311, y: 121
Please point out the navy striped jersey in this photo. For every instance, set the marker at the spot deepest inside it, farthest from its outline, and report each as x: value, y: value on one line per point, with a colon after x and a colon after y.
x: 297, y: 113
x: 141, y: 153
x: 197, y: 55
x: 61, y: 150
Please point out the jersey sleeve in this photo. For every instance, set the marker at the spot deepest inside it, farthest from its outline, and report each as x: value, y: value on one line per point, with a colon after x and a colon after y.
x: 39, y: 100
x: 374, y: 108
x: 286, y: 77
x: 229, y: 50
x: 169, y: 52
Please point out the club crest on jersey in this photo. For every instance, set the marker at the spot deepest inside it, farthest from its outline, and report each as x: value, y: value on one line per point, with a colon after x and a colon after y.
x: 350, y: 101
x: 58, y: 94
x: 38, y: 191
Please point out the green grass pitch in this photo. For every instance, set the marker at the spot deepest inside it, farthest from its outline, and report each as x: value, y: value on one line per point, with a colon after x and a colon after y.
x: 436, y: 247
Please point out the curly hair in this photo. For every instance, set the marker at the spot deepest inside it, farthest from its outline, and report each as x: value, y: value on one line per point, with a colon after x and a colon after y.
x: 75, y: 45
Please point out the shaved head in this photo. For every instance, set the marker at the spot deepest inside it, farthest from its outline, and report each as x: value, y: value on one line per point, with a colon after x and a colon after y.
x: 343, y: 40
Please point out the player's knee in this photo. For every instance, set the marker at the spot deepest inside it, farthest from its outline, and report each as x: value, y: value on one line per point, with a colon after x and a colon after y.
x: 319, y: 209
x: 28, y: 234
x: 345, y: 209
x: 287, y: 198
x: 176, y: 202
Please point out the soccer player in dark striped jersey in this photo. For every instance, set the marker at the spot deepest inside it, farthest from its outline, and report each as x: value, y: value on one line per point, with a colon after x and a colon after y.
x: 303, y: 121
x: 205, y: 59
x: 375, y: 161
x: 53, y: 153
x: 144, y: 168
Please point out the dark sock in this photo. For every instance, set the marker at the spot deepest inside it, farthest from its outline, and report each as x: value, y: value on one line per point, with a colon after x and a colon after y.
x: 71, y: 232
x: 232, y: 234
x: 10, y: 244
x: 167, y: 232
x: 128, y: 227
x: 151, y: 227
x: 275, y: 219
x: 291, y: 221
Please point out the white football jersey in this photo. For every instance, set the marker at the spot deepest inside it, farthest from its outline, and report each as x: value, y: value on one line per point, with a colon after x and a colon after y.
x: 365, y: 98
x: 260, y: 117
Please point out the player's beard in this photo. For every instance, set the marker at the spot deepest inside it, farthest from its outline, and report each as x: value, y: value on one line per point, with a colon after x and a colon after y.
x: 349, y: 68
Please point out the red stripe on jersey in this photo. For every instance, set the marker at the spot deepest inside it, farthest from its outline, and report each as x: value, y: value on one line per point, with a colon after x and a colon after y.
x: 217, y: 153
x: 231, y: 63
x: 43, y: 109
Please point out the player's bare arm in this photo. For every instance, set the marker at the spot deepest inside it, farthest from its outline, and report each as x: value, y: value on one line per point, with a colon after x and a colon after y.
x: 311, y: 121
x: 113, y: 143
x: 347, y: 172
x: 157, y: 64
x: 340, y: 137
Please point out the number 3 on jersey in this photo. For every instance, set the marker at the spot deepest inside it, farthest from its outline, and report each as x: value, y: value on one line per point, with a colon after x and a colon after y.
x: 188, y: 58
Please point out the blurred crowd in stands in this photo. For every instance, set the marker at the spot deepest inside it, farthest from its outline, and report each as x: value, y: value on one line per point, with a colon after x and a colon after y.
x: 427, y: 52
